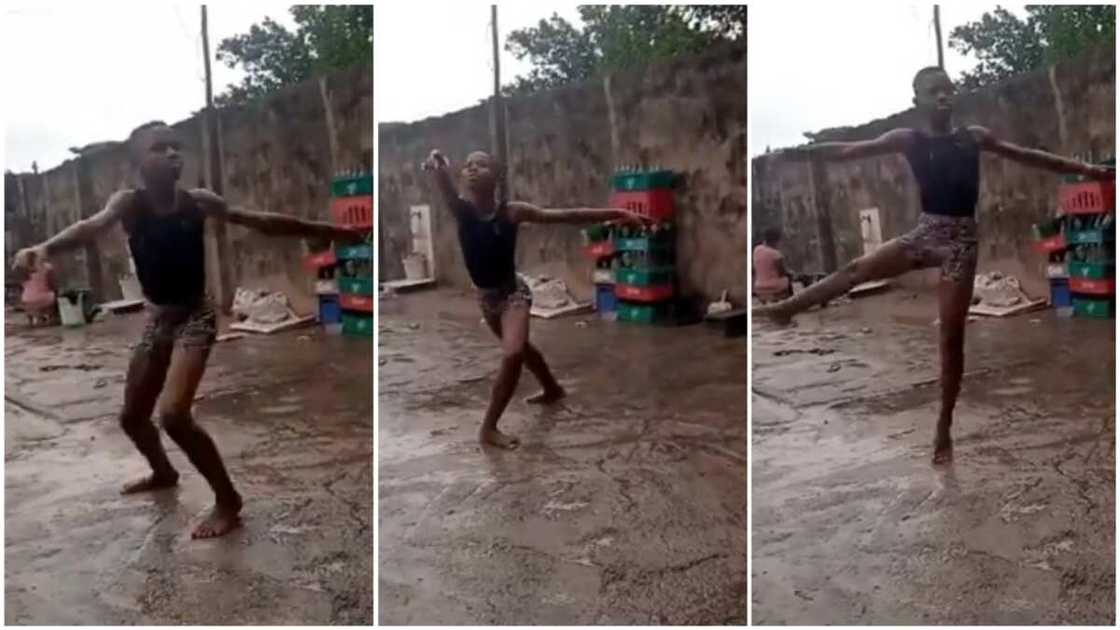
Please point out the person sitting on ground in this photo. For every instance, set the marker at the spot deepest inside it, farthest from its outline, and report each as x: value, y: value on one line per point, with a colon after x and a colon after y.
x: 40, y: 296
x: 772, y: 281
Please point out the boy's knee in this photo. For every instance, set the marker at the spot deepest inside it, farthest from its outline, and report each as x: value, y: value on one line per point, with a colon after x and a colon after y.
x: 130, y: 420
x: 513, y: 357
x: 175, y: 422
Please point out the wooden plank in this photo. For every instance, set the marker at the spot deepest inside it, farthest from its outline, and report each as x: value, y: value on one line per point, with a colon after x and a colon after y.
x: 869, y: 287
x: 550, y: 313
x: 406, y: 285
x: 268, y: 329
x: 123, y: 306
x: 1015, y: 309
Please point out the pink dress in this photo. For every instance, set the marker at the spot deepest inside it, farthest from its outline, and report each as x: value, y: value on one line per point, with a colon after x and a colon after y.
x: 768, y: 278
x: 37, y: 292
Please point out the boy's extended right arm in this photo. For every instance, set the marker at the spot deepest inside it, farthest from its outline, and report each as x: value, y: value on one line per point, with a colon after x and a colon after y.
x: 89, y: 228
x: 892, y: 141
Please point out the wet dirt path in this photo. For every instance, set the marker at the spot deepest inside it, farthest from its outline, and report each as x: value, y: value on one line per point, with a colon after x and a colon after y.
x: 625, y: 504
x: 292, y: 416
x: 852, y: 525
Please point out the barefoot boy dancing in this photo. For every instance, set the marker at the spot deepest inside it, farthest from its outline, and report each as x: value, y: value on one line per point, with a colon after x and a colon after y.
x: 946, y: 164
x: 488, y: 238
x: 165, y: 226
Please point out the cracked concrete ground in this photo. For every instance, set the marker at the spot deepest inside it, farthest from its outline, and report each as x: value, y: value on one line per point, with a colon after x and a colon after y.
x: 625, y: 504
x: 291, y: 414
x: 851, y: 523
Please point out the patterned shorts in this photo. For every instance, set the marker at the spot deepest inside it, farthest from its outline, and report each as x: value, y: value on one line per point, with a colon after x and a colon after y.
x: 495, y: 302
x: 947, y: 242
x: 189, y: 327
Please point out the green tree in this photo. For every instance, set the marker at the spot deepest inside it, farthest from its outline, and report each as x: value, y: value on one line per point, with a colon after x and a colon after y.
x: 618, y: 37
x: 326, y: 39
x: 1005, y: 44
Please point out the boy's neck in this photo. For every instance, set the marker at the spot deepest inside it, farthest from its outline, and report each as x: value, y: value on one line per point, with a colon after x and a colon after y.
x: 482, y: 200
x: 161, y: 192
x: 937, y: 127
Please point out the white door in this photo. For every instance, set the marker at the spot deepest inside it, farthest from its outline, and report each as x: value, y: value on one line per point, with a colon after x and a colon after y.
x: 870, y: 229
x: 420, y: 224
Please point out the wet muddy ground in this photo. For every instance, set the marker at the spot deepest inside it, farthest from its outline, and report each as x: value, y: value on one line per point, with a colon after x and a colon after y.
x: 626, y: 503
x: 851, y: 523
x: 292, y: 415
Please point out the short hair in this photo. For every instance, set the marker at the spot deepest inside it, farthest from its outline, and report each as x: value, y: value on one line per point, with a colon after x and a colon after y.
x: 926, y: 71
x: 771, y: 235
x: 134, y: 137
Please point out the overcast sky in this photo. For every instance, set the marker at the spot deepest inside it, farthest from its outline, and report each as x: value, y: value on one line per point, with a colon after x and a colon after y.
x: 432, y: 59
x: 81, y: 73
x: 841, y: 63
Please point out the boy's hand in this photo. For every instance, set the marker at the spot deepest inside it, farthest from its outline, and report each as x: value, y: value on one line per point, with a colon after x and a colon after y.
x: 350, y: 235
x: 633, y: 219
x: 30, y: 258
x: 1100, y: 172
x: 436, y: 161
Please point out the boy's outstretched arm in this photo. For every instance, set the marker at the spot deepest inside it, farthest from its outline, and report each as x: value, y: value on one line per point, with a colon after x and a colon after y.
x: 522, y: 212
x: 892, y: 141
x: 272, y: 223
x: 437, y: 165
x: 77, y: 234
x: 1037, y: 157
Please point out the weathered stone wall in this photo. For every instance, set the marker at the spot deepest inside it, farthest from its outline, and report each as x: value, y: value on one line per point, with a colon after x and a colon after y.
x: 277, y: 155
x: 1067, y: 109
x: 688, y: 115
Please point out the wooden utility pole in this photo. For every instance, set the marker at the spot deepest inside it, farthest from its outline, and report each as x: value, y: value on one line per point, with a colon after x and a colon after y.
x: 937, y: 32
x: 499, y: 114
x: 225, y: 291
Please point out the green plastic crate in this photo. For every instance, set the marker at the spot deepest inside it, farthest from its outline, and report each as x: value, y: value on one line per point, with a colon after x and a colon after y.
x: 644, y: 180
x: 357, y: 325
x: 1096, y: 309
x: 644, y: 277
x: 643, y: 244
x: 1092, y: 270
x: 1090, y: 237
x: 352, y: 186
x: 355, y: 252
x: 642, y: 313
x: 355, y: 286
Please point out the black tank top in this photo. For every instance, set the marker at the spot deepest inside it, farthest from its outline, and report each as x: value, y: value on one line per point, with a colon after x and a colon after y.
x: 947, y: 168
x: 168, y: 250
x: 489, y: 245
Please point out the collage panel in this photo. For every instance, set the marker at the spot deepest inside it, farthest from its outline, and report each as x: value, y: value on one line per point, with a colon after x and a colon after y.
x: 933, y: 335
x: 562, y: 315
x: 188, y: 314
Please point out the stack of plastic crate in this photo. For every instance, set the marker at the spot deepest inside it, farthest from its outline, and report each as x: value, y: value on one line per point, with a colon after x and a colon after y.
x: 352, y: 206
x: 645, y: 258
x: 1089, y: 209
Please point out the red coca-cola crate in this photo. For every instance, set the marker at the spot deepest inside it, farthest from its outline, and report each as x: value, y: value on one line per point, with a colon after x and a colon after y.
x: 1087, y: 197
x: 656, y: 204
x: 352, y: 302
x: 325, y: 258
x: 1090, y: 286
x: 632, y: 293
x: 354, y: 212
x: 1055, y: 243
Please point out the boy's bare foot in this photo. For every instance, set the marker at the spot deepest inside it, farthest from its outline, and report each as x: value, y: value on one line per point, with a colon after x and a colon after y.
x: 773, y: 313
x: 495, y: 437
x: 223, y: 518
x: 547, y: 396
x: 152, y: 482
